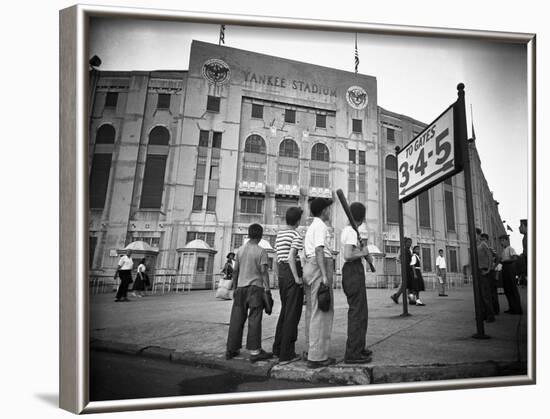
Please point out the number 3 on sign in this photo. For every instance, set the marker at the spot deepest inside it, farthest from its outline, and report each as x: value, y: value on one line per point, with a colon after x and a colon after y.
x: 404, y: 169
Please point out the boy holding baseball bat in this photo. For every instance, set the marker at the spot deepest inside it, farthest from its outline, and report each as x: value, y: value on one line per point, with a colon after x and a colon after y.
x: 353, y: 283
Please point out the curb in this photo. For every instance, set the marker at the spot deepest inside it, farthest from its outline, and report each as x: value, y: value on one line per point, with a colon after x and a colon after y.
x: 339, y: 374
x: 238, y: 365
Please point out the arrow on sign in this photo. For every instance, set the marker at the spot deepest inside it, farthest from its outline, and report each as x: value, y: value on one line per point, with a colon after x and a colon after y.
x: 444, y: 168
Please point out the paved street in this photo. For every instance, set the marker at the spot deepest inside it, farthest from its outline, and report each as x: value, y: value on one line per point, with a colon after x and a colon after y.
x: 192, y: 328
x: 118, y: 377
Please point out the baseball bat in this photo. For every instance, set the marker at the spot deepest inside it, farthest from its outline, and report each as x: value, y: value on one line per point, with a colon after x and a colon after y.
x: 344, y: 202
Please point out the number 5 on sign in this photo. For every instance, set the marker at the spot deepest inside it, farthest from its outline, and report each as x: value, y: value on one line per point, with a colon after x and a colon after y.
x: 429, y: 157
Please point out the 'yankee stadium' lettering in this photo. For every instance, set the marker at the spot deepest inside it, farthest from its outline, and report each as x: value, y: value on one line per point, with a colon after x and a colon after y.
x: 299, y: 85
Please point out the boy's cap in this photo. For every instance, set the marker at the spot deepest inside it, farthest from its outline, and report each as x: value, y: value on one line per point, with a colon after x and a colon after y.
x: 319, y: 204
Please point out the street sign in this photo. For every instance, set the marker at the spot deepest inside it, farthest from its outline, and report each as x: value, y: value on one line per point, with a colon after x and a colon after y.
x: 432, y: 156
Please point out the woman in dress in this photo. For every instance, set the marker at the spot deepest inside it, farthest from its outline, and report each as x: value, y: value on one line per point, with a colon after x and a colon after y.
x: 141, y: 279
x: 417, y: 282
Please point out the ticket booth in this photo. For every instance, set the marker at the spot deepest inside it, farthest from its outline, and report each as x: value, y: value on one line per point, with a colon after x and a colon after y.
x: 196, y: 265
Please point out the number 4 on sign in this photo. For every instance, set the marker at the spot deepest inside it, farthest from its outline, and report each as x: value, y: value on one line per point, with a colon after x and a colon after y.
x: 420, y: 165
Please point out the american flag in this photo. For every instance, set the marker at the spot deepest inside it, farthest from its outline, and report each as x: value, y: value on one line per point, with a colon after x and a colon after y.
x: 356, y: 56
x: 473, y: 130
x: 222, y: 34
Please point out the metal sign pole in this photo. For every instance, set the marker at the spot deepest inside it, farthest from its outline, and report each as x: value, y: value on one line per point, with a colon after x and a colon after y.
x: 461, y: 134
x: 402, y: 254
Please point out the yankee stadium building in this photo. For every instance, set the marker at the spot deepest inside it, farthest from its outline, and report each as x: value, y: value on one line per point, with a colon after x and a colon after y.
x: 182, y: 162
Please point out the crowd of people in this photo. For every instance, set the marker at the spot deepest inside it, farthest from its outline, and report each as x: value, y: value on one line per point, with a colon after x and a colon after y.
x: 306, y: 276
x: 507, y: 268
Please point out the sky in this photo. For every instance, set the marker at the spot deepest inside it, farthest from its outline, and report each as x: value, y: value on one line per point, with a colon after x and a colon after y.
x: 417, y: 77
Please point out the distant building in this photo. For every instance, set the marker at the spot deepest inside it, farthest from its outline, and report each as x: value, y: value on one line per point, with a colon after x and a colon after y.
x: 178, y: 156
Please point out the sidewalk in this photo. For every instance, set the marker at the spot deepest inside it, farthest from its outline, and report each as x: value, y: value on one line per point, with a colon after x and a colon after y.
x: 433, y: 343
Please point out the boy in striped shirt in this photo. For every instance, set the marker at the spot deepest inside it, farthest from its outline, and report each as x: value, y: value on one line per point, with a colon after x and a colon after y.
x: 287, y: 244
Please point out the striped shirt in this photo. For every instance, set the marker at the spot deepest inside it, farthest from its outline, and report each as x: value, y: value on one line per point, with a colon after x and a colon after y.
x: 287, y: 239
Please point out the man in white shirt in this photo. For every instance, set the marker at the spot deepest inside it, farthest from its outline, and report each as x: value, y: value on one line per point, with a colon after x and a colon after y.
x: 441, y: 272
x: 124, y: 271
x: 319, y: 268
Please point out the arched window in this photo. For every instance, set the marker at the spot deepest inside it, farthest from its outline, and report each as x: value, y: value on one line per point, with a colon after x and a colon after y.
x: 288, y: 166
x: 155, y: 168
x: 101, y: 167
x: 319, y: 167
x: 105, y: 135
x: 391, y: 163
x: 254, y: 144
x: 159, y: 136
x: 254, y: 166
x: 289, y: 148
x: 392, y: 214
x: 319, y: 152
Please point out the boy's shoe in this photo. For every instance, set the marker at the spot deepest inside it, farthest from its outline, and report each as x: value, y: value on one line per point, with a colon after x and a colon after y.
x: 320, y: 364
x: 419, y: 303
x: 366, y: 352
x: 231, y: 354
x: 293, y: 357
x: 394, y: 298
x: 262, y: 356
x: 361, y: 360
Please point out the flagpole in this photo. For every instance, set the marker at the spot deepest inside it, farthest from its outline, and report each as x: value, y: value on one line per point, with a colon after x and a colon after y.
x: 222, y: 35
x: 472, y: 118
x: 356, y: 55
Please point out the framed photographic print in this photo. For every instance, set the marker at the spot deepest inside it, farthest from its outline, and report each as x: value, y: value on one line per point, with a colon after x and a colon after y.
x: 205, y: 257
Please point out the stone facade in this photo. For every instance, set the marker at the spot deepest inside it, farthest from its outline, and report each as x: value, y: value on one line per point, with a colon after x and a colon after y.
x: 241, y: 136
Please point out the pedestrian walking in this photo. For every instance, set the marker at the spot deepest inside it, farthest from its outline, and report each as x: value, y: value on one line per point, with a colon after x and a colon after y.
x: 288, y: 244
x: 138, y: 290
x: 229, y: 266
x: 408, y: 270
x: 485, y: 261
x: 250, y: 284
x: 522, y: 259
x: 319, y: 269
x: 493, y: 280
x: 417, y: 281
x: 508, y: 260
x: 124, y: 272
x: 441, y: 272
x: 225, y: 285
x: 353, y: 283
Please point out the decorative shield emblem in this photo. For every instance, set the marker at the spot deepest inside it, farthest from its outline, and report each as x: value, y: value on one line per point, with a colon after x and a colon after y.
x: 216, y: 71
x: 357, y: 97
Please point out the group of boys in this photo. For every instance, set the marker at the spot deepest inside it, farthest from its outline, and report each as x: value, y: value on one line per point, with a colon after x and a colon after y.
x: 312, y: 282
x: 489, y: 262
